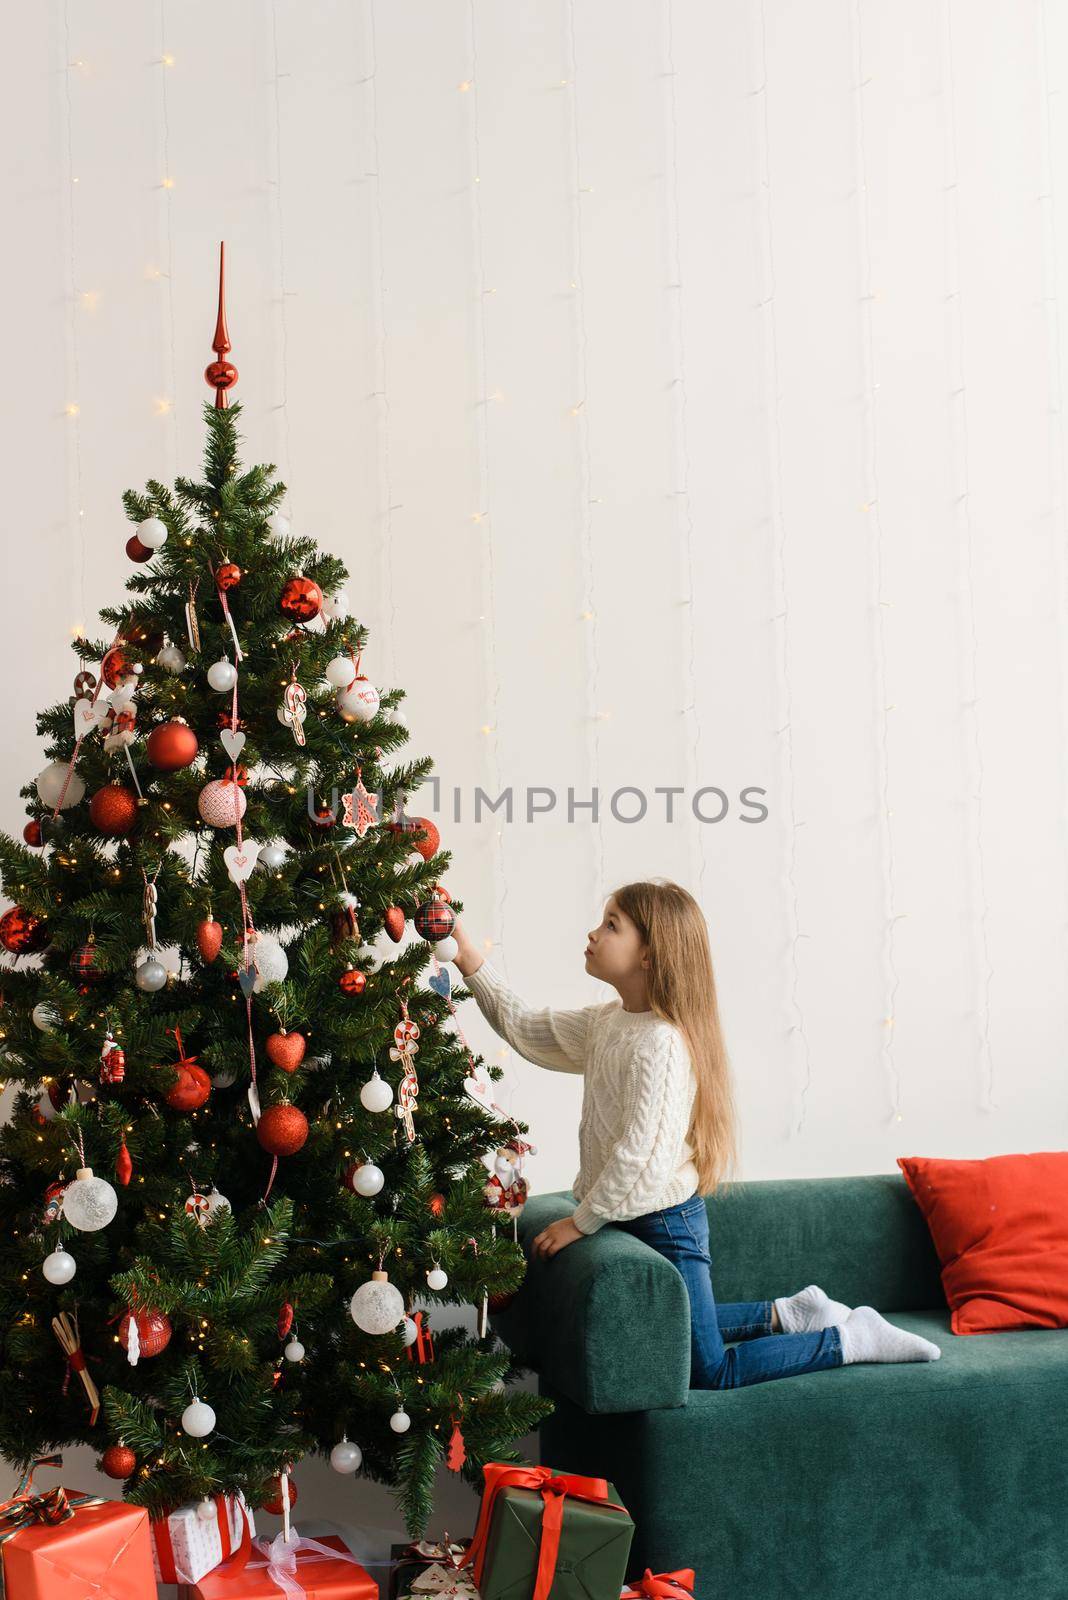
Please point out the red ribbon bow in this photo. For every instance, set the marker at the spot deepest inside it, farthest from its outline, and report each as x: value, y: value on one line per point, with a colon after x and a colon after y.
x: 662, y: 1586
x: 554, y: 1490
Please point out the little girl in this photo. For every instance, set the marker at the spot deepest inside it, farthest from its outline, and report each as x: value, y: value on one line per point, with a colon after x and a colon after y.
x: 657, y: 1133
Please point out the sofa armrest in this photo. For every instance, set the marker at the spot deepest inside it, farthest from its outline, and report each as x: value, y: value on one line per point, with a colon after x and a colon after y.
x: 606, y: 1320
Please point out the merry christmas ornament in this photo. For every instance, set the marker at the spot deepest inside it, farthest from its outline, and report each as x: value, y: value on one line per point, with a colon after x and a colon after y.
x: 358, y: 701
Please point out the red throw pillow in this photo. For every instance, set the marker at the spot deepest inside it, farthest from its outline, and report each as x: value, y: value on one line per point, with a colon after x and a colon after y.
x: 1000, y: 1227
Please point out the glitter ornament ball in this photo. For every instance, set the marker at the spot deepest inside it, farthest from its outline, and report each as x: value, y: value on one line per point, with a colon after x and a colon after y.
x: 217, y: 1203
x: 198, y: 1419
x: 358, y: 702
x: 282, y: 1130
x: 377, y: 1306
x: 434, y: 920
x: 22, y: 933
x: 59, y: 1267
x: 192, y: 1089
x: 113, y: 810
x: 436, y: 1278
x: 421, y: 833
x: 294, y: 1351
x: 376, y: 1094
x: 222, y: 804
x: 153, y: 1332
x: 410, y: 1332
x: 346, y: 1457
x: 118, y: 1461
x: 151, y: 975
x: 50, y: 783
x: 228, y: 576
x: 222, y: 675
x: 272, y: 963
x: 152, y: 533
x: 340, y: 672
x: 171, y: 746
x: 300, y: 600
x: 400, y: 1421
x: 352, y: 981
x: 89, y: 1203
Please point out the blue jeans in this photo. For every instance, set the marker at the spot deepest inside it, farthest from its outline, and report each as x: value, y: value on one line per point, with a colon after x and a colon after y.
x: 681, y: 1234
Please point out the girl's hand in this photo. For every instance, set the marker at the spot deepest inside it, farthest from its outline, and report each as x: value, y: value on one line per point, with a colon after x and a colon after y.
x: 468, y: 959
x: 557, y: 1236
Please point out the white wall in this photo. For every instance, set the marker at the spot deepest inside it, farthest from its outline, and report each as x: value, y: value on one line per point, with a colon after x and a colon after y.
x: 682, y: 383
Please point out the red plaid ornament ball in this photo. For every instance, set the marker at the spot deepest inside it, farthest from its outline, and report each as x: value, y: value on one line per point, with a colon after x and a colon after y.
x: 434, y: 920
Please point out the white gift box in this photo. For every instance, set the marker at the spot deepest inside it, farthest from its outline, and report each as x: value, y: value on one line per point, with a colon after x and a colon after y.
x: 197, y: 1541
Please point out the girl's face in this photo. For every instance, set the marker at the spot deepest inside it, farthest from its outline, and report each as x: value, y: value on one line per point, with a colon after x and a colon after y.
x: 615, y: 951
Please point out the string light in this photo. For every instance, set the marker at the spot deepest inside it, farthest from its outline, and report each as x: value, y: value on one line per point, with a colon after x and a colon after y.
x: 964, y: 518
x: 879, y: 605
x: 782, y: 601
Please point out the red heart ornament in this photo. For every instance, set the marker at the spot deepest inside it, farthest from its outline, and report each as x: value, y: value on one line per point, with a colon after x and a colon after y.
x: 286, y: 1050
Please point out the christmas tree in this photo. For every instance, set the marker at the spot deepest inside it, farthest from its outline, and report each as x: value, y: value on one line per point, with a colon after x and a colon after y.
x: 241, y: 1150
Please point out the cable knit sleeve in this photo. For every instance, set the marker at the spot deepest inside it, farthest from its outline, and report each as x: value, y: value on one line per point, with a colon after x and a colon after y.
x: 658, y: 1096
x: 554, y: 1039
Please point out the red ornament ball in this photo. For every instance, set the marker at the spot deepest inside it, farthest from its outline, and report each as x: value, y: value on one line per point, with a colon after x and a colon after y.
x: 21, y: 933
x: 33, y: 834
x: 300, y: 600
x: 113, y: 810
x: 421, y: 834
x: 117, y: 667
x: 85, y: 964
x: 282, y: 1130
x: 228, y: 576
x: 436, y: 1204
x: 191, y: 1090
x: 352, y: 981
x: 136, y: 550
x: 273, y: 1505
x: 118, y: 1461
x: 171, y: 746
x: 153, y: 1332
x: 434, y: 920
x: 324, y: 817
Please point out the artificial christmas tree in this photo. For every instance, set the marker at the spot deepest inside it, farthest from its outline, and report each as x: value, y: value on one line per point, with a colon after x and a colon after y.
x: 241, y: 1149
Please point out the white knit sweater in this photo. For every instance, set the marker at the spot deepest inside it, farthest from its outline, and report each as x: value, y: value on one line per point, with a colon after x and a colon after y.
x: 638, y: 1092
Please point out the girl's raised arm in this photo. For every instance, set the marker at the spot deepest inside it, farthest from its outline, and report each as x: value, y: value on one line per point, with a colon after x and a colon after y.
x: 548, y: 1038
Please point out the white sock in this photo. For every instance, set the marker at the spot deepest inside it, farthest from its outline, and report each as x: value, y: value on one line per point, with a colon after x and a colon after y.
x: 809, y: 1309
x: 866, y: 1336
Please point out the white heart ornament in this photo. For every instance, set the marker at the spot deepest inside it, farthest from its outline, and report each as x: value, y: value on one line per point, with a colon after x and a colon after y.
x: 89, y: 714
x: 241, y: 860
x: 232, y: 742
x: 479, y: 1088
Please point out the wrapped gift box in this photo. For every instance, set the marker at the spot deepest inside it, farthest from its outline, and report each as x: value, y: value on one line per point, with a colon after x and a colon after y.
x: 676, y: 1585
x: 185, y: 1546
x: 429, y: 1567
x: 548, y: 1536
x: 62, y: 1545
x: 324, y: 1568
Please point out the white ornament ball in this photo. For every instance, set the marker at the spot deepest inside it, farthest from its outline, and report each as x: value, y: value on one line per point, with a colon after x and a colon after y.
x: 447, y: 949
x: 437, y: 1277
x: 272, y: 963
x: 371, y: 953
x: 89, y: 1203
x: 346, y: 1457
x: 222, y: 675
x: 272, y: 857
x: 368, y: 1179
x: 377, y: 1306
x: 340, y: 672
x: 45, y: 1017
x: 359, y: 702
x: 206, y: 1510
x: 216, y: 1202
x: 400, y: 1421
x: 376, y: 1094
x: 222, y: 804
x: 225, y: 1078
x: 278, y: 525
x: 50, y: 786
x: 336, y: 606
x: 410, y: 1331
x: 151, y: 975
x: 152, y: 533
x: 172, y: 660
x: 59, y: 1267
x: 198, y: 1419
x: 294, y: 1350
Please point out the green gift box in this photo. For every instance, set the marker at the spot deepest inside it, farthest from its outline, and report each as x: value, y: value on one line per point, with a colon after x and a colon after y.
x: 591, y: 1560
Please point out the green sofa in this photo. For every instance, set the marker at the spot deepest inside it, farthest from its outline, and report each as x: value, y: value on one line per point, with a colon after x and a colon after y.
x: 943, y: 1480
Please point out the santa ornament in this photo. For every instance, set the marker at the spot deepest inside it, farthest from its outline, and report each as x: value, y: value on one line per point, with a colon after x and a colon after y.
x: 507, y: 1189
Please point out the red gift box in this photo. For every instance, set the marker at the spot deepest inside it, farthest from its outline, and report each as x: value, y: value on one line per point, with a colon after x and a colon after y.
x: 62, y: 1545
x: 322, y: 1569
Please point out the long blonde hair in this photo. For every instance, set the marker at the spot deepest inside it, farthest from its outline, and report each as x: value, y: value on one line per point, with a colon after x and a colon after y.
x: 682, y: 990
